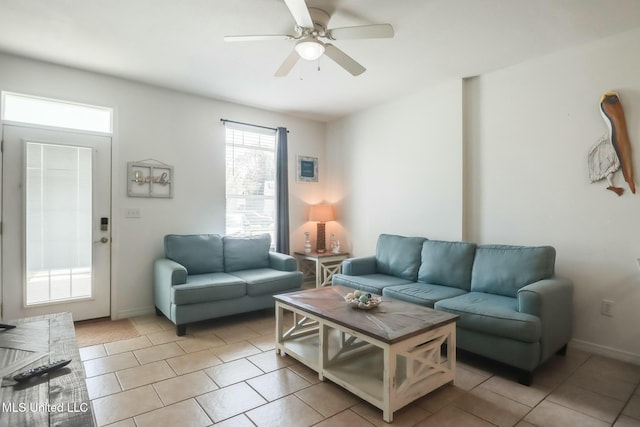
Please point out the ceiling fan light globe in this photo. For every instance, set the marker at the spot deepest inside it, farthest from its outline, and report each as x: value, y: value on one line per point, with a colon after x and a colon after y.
x: 310, y: 49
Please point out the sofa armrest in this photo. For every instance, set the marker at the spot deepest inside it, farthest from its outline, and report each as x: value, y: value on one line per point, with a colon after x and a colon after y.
x: 282, y: 262
x: 166, y: 273
x: 552, y: 301
x: 359, y: 266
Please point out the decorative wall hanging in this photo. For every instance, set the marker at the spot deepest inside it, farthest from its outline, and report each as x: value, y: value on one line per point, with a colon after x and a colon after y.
x: 603, y: 162
x: 612, y: 150
x: 149, y: 178
x: 307, y: 169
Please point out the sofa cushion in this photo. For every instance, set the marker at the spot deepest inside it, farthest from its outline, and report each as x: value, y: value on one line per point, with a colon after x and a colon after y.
x: 198, y: 253
x: 421, y: 293
x: 267, y: 281
x: 372, y: 283
x: 493, y: 315
x: 399, y: 256
x: 503, y: 269
x: 208, y: 287
x: 244, y: 253
x: 447, y: 263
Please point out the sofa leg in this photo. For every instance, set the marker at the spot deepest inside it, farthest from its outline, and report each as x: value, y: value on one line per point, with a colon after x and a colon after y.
x: 158, y: 312
x: 525, y: 377
x: 181, y: 330
x: 562, y: 351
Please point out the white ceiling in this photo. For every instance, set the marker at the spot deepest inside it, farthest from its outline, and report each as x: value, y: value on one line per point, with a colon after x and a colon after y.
x: 179, y: 43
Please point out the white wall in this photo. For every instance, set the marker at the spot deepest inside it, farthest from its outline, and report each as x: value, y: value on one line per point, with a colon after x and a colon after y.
x: 176, y: 128
x: 529, y: 130
x: 397, y: 168
x: 501, y: 158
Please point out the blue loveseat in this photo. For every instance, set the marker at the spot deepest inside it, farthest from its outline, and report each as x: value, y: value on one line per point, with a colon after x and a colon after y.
x: 512, y: 307
x: 205, y: 276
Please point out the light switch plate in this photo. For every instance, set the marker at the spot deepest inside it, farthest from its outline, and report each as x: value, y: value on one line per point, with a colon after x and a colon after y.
x: 132, y: 213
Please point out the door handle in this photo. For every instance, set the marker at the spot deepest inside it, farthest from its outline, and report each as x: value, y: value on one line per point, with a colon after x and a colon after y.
x: 103, y: 240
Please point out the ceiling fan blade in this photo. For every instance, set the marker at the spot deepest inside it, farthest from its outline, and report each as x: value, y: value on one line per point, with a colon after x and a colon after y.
x: 343, y: 60
x: 255, y: 38
x: 376, y: 31
x: 288, y: 64
x: 300, y: 13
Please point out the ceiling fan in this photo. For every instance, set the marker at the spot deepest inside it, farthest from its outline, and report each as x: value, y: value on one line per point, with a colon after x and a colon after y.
x: 311, y: 26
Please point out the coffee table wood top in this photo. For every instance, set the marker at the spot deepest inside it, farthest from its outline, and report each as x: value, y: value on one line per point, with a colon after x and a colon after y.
x: 57, y: 399
x: 390, y: 322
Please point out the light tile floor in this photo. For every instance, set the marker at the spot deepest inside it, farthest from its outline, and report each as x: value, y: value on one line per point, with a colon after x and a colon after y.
x: 225, y: 373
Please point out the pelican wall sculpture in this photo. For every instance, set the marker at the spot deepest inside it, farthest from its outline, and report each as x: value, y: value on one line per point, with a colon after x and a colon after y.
x: 614, y: 150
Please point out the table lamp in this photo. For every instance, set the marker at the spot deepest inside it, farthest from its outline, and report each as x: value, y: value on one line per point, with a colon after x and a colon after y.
x: 321, y: 214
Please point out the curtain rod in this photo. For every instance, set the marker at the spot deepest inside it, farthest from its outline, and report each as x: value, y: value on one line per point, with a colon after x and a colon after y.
x: 249, y: 124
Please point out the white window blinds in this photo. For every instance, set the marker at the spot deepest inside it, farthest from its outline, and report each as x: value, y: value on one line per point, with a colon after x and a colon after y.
x: 250, y: 180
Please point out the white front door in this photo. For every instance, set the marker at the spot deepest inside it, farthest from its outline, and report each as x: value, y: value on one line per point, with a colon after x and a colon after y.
x: 56, y: 228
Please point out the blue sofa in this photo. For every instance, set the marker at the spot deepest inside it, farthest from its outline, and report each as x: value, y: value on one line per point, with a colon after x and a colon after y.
x: 512, y: 307
x: 205, y: 276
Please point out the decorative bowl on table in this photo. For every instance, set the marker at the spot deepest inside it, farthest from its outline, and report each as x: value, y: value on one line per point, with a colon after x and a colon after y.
x: 362, y: 300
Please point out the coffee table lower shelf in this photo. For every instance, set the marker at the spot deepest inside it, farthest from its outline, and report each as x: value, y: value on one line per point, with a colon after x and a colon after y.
x: 389, y: 376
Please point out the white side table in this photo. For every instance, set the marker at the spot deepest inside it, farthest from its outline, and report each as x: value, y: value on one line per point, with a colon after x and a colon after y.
x: 321, y: 265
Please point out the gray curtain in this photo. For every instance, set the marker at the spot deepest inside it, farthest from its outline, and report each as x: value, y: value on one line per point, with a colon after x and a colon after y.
x: 282, y: 193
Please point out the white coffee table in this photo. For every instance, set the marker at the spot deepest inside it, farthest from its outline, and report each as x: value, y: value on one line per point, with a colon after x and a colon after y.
x: 389, y: 356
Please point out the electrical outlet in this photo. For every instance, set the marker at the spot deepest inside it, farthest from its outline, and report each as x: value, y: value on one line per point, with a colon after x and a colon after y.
x: 132, y: 213
x: 606, y: 308
x: 638, y: 262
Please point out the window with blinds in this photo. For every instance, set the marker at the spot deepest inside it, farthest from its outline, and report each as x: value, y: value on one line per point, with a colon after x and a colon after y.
x: 250, y: 181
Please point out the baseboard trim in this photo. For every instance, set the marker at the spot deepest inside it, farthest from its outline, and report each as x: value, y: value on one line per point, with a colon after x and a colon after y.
x: 133, y: 312
x: 602, y: 350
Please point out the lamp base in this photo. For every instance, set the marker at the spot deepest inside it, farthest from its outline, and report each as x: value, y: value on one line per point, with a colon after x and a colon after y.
x: 321, y: 239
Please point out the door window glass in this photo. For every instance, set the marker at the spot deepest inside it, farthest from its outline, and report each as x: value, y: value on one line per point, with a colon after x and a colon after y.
x: 58, y: 204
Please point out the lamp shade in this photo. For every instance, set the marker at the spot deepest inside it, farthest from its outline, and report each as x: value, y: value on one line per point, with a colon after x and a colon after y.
x: 322, y: 213
x: 310, y: 49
